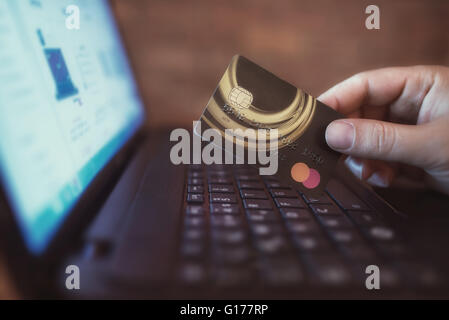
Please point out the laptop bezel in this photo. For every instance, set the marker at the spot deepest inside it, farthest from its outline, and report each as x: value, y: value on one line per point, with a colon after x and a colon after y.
x: 22, y: 264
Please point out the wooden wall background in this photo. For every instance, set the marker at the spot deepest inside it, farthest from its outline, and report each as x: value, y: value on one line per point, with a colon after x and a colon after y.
x: 182, y: 47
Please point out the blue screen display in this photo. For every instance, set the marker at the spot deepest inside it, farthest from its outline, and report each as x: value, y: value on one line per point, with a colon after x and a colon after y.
x: 68, y: 103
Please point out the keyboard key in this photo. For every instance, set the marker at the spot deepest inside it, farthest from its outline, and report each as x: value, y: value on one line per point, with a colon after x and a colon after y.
x: 380, y: 233
x: 219, y: 173
x: 194, y: 221
x: 327, y: 269
x: 231, y: 255
x: 281, y: 271
x: 246, y: 177
x: 322, y: 199
x: 261, y: 215
x: 193, y: 249
x: 301, y: 214
x: 257, y: 204
x: 195, y: 189
x: 276, y: 184
x: 192, y: 273
x: 272, y: 245
x: 223, y: 198
x: 364, y: 218
x: 344, y: 197
x: 335, y: 222
x: 195, y: 174
x: 325, y: 209
x: 253, y: 194
x: 226, y: 221
x: 250, y: 185
x: 345, y: 236
x: 311, y: 242
x: 191, y: 234
x: 194, y: 210
x: 289, y: 203
x: 221, y: 188
x: 231, y: 276
x: 359, y: 252
x: 224, y: 208
x: 266, y: 229
x: 195, y: 198
x: 219, y: 180
x: 229, y: 236
x: 302, y: 226
x: 283, y: 193
x: 218, y: 176
x: 195, y: 181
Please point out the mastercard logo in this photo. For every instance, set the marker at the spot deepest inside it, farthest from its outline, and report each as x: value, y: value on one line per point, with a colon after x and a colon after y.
x: 310, y: 178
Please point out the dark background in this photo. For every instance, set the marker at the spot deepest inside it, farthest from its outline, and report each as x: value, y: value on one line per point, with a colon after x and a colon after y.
x: 181, y: 48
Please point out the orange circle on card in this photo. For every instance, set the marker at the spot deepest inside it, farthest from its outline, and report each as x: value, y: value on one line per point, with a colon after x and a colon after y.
x: 300, y: 172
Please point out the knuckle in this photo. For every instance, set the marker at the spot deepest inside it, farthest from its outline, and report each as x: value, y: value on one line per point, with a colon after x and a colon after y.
x: 384, y: 138
x: 361, y: 82
x: 359, y: 78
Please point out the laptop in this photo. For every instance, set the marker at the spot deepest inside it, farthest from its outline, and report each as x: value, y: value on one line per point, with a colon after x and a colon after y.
x: 88, y: 186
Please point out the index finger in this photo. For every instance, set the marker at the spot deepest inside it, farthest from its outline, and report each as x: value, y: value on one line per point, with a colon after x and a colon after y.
x: 403, y: 88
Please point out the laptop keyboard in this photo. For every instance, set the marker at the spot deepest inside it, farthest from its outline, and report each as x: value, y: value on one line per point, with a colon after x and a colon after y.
x: 243, y: 229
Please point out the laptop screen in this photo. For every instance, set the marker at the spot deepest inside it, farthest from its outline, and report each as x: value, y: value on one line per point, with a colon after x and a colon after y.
x: 68, y: 103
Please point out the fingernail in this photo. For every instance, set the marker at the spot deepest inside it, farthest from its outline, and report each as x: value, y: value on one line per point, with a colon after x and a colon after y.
x: 322, y: 96
x: 378, y: 180
x: 340, y: 135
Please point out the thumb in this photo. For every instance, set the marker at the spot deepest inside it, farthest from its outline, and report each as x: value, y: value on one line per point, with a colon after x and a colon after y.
x: 382, y: 140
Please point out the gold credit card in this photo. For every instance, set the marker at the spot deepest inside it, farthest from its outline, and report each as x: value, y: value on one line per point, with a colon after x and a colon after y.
x: 291, y: 122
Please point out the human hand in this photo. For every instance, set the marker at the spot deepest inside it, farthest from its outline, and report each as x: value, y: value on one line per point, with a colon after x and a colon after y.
x: 397, y: 126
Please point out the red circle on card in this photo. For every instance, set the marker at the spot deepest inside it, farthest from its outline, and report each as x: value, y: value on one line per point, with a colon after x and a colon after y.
x: 313, y: 180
